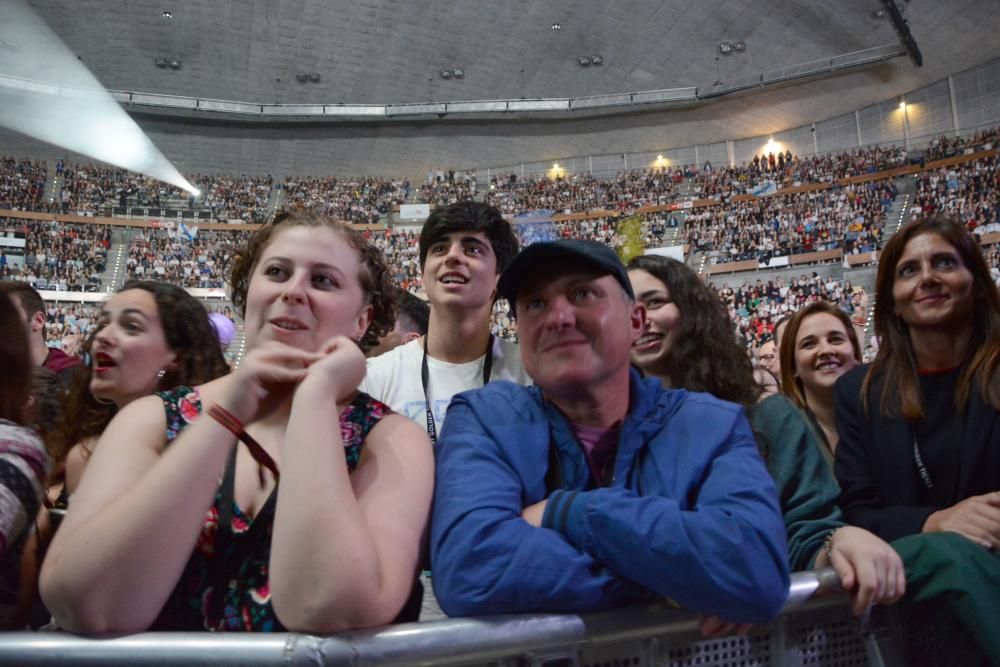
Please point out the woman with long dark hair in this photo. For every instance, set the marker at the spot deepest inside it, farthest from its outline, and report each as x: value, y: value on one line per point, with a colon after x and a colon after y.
x: 25, y: 464
x: 690, y: 342
x: 919, y: 452
x: 150, y: 336
x: 335, y: 544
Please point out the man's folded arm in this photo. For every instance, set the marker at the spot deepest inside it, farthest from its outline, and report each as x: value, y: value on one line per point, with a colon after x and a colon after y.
x: 726, y: 555
x: 485, y: 558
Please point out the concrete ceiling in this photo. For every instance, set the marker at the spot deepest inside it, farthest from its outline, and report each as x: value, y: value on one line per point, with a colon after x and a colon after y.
x: 391, y: 51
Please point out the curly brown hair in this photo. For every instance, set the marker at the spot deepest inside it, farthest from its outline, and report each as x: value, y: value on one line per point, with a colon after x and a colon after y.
x: 375, y: 282
x: 188, y: 332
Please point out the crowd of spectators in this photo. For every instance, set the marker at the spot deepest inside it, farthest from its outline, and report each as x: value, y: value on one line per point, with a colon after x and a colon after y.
x: 970, y: 191
x: 97, y: 189
x: 945, y: 146
x: 444, y: 192
x: 22, y: 183
x: 198, y: 262
x: 755, y: 307
x: 361, y: 199
x: 67, y: 324
x: 244, y: 198
x: 580, y: 192
x: 58, y: 255
x: 787, y: 170
x: 849, y: 217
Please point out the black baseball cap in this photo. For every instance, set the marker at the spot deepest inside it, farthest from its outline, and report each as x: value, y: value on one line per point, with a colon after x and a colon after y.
x: 590, y: 254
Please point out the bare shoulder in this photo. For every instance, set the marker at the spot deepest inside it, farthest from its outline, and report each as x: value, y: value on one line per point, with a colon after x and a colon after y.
x: 396, y: 431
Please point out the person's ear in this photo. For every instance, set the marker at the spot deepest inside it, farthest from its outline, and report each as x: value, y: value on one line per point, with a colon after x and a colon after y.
x: 410, y: 336
x: 361, y: 324
x: 37, y: 321
x: 637, y: 321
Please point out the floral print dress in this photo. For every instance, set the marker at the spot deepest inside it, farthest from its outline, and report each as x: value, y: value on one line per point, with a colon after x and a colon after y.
x: 245, y: 602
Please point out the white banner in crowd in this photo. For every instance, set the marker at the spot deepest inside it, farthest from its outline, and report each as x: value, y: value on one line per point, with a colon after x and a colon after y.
x: 414, y: 211
x: 672, y: 251
x: 776, y: 262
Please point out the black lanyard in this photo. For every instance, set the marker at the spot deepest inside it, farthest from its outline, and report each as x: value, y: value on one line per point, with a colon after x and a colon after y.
x: 425, y: 377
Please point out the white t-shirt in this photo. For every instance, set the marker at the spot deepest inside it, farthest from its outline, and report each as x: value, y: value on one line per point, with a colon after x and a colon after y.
x: 394, y: 378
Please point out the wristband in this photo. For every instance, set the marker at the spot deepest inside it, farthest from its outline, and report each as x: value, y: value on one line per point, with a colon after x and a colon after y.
x: 235, y: 426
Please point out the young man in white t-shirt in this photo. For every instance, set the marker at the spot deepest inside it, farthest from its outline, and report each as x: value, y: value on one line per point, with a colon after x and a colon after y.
x: 463, y: 249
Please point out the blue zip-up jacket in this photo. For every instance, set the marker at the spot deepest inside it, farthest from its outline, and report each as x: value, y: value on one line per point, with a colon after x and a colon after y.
x: 691, y: 514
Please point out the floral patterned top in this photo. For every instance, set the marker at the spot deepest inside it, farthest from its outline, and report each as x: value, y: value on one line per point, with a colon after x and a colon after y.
x: 245, y: 605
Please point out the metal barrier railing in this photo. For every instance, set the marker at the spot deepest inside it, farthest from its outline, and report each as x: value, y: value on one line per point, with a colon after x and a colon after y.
x: 815, y: 617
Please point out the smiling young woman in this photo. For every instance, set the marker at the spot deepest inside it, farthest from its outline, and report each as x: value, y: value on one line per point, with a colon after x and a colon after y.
x: 919, y: 453
x: 335, y: 545
x: 690, y: 342
x: 817, y: 347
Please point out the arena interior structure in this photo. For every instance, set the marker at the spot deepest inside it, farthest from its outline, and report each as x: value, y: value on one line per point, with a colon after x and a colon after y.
x: 772, y: 146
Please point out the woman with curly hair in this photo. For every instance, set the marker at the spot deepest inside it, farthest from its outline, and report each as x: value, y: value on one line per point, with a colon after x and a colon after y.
x: 150, y: 336
x: 689, y: 342
x: 334, y: 545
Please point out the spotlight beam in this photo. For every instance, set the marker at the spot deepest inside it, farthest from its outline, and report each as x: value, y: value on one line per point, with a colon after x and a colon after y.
x: 48, y: 94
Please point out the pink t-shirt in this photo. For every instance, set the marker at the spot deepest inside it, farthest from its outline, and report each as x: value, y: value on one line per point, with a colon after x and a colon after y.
x: 600, y: 446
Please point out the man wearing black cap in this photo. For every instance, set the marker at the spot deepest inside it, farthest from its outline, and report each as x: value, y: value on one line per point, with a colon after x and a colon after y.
x: 597, y: 487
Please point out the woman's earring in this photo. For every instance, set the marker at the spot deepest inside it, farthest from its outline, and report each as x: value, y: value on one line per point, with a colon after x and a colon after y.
x: 160, y: 373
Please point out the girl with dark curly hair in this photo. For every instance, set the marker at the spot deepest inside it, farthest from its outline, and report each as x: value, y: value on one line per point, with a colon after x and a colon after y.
x: 689, y: 342
x: 150, y: 336
x: 335, y: 545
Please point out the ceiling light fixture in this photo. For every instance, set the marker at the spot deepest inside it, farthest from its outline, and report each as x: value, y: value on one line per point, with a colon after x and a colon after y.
x: 556, y: 27
x: 175, y: 64
x: 597, y: 60
x: 584, y: 61
x: 458, y: 73
x: 446, y: 73
x: 314, y: 77
x: 167, y: 15
x: 302, y: 77
x: 725, y: 48
x: 161, y: 63
x: 739, y: 45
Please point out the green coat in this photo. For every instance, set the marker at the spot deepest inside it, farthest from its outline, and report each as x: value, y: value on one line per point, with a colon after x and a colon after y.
x: 806, y: 488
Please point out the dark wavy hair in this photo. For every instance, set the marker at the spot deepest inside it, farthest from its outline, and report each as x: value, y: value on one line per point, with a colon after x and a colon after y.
x: 470, y: 216
x: 705, y: 355
x: 189, y: 334
x: 896, y: 360
x: 376, y: 284
x: 15, y: 360
x: 791, y: 385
